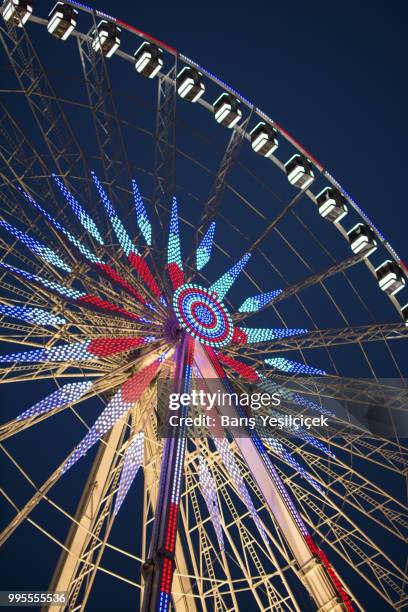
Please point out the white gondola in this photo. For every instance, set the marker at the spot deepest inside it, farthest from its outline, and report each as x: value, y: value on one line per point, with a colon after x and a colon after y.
x: 190, y: 84
x: 404, y: 312
x: 17, y: 12
x: 390, y: 277
x: 62, y: 20
x: 362, y: 238
x: 227, y: 110
x: 299, y: 171
x: 332, y: 204
x: 106, y: 38
x: 264, y: 139
x: 148, y: 59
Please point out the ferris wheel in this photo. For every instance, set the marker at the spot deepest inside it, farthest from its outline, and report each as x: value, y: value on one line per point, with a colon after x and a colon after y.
x: 157, y: 225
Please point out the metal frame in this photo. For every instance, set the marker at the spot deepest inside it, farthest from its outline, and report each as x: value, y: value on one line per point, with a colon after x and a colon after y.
x: 270, y: 589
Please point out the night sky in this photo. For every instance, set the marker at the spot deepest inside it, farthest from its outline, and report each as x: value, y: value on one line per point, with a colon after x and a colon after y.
x: 334, y: 76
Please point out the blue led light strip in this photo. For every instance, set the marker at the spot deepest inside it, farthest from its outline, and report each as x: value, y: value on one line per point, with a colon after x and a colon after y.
x: 67, y: 292
x: 174, y: 261
x: 118, y: 227
x: 255, y: 303
x: 209, y: 491
x: 132, y: 461
x: 82, y: 248
x: 44, y: 252
x: 61, y: 398
x: 282, y: 452
x: 292, y: 396
x: 173, y: 249
x: 287, y: 365
x: 263, y: 334
x: 141, y: 214
x: 121, y: 402
x: 300, y: 433
x: 88, y: 223
x: 203, y: 253
x: 232, y: 468
x: 223, y: 284
x: 38, y: 316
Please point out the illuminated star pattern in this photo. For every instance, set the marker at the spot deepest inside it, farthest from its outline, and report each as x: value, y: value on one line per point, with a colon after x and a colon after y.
x: 203, y: 253
x: 132, y: 462
x: 209, y: 491
x: 197, y: 309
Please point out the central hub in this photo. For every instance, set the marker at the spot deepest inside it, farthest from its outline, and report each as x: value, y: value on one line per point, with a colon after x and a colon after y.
x: 201, y: 314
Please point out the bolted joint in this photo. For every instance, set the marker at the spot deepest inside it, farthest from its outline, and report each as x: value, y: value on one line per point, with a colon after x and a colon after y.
x: 153, y: 563
x: 148, y: 568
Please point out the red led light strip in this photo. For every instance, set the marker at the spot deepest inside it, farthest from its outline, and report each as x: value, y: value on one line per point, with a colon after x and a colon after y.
x: 176, y: 275
x: 329, y: 568
x: 238, y: 366
x: 142, y: 268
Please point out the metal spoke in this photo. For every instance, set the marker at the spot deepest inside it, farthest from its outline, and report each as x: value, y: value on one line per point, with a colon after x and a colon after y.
x: 314, y: 279
x: 329, y: 337
x: 219, y: 185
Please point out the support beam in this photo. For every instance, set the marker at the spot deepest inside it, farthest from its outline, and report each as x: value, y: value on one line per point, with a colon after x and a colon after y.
x: 40, y: 494
x: 315, y: 576
x: 276, y: 221
x: 110, y: 140
x: 159, y: 568
x: 311, y: 280
x: 363, y: 556
x: 319, y: 277
x: 228, y: 161
x: 164, y: 177
x: 184, y: 601
x: 318, y: 338
x: 164, y: 171
x: 220, y: 181
x: 44, y: 104
x: 88, y: 510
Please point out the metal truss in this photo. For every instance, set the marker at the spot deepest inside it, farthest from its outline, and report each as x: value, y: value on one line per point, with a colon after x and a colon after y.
x: 83, y: 547
x: 218, y: 187
x: 164, y: 176
x: 110, y: 140
x: 270, y: 589
x: 159, y: 567
x: 183, y: 594
x: 333, y: 337
x: 164, y: 169
x: 357, y: 549
x: 45, y: 105
x: 314, y: 279
x: 360, y: 493
x: 314, y: 575
x: 264, y: 570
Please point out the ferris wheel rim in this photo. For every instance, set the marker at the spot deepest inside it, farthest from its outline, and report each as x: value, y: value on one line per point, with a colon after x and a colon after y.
x: 244, y: 100
x: 253, y: 109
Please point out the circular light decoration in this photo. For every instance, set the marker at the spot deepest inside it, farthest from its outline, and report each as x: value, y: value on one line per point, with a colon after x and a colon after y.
x: 202, y: 315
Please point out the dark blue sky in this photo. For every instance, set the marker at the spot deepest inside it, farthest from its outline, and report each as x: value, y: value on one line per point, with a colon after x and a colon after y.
x: 332, y: 74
